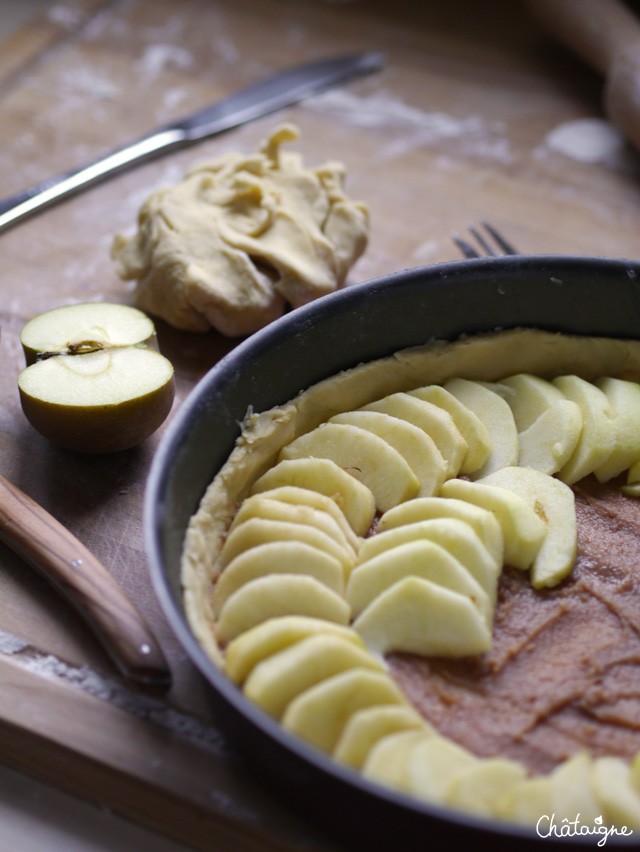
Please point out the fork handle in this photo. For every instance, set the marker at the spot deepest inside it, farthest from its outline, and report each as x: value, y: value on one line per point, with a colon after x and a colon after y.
x: 53, y: 551
x: 606, y: 34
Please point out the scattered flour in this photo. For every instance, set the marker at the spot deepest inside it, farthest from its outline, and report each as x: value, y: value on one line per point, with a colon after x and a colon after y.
x: 426, y: 251
x: 157, y: 57
x: 473, y: 134
x: 65, y: 16
x: 591, y: 140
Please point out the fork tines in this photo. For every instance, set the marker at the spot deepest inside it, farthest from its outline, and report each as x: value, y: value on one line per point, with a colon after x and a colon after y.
x: 490, y: 243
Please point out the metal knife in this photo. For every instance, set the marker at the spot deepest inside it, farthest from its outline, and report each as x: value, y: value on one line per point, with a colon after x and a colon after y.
x: 274, y: 93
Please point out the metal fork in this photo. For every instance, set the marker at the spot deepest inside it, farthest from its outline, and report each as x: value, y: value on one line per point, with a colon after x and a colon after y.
x: 490, y: 242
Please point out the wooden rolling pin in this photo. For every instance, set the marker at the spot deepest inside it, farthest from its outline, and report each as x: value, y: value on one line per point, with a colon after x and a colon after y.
x: 606, y: 34
x: 46, y: 545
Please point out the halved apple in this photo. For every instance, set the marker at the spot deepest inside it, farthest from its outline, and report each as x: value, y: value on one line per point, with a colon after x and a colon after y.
x: 598, y: 435
x: 276, y: 595
x: 420, y: 617
x: 264, y: 640
x: 482, y: 520
x: 364, y: 455
x: 276, y: 681
x: 522, y: 529
x: 367, y: 726
x: 93, y: 383
x: 414, y: 445
x: 325, y: 477
x: 437, y: 423
x: 496, y: 415
x: 320, y: 713
x: 468, y: 423
x: 420, y: 558
x: 555, y: 503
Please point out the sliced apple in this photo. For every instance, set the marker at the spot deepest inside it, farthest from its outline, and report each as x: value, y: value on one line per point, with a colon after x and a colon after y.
x: 419, y: 617
x: 362, y: 454
x: 320, y: 713
x: 548, y: 444
x: 469, y: 425
x: 414, y: 445
x: 480, y: 785
x: 456, y: 536
x: 389, y: 759
x: 367, y: 726
x: 615, y: 792
x: 598, y: 435
x: 93, y: 383
x: 420, y: 558
x: 244, y: 653
x: 634, y: 771
x: 256, y: 531
x: 434, y: 763
x: 270, y: 509
x: 632, y: 486
x: 481, y: 520
x: 555, y: 503
x: 528, y: 397
x: 277, y: 557
x: 496, y: 415
x: 316, y: 500
x: 527, y: 801
x: 572, y: 791
x: 276, y: 681
x: 276, y: 595
x: 325, y: 477
x: 624, y: 400
x: 433, y: 420
x: 522, y: 529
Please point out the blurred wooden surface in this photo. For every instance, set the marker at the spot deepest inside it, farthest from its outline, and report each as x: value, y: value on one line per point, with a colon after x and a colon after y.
x: 470, y: 120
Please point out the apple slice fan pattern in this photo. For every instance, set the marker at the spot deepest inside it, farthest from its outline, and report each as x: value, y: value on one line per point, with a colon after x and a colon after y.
x: 385, y: 529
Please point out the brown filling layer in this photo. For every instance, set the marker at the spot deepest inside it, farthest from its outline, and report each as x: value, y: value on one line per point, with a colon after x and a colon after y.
x: 564, y: 672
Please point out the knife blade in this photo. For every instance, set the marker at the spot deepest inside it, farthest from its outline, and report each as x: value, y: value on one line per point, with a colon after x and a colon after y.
x: 274, y: 93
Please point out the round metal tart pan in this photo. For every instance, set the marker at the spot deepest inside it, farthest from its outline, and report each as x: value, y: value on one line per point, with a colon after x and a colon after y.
x: 594, y: 296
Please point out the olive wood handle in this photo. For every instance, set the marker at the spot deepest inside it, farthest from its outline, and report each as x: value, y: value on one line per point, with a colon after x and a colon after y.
x: 606, y: 34
x: 53, y: 551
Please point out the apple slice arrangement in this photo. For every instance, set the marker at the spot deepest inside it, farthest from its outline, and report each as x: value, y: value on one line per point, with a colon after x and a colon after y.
x: 386, y: 528
x: 94, y: 380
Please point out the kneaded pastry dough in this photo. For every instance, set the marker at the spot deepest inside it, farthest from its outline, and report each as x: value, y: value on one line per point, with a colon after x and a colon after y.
x: 241, y: 237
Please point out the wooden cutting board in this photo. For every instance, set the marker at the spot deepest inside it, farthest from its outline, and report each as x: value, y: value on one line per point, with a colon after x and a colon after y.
x: 468, y: 121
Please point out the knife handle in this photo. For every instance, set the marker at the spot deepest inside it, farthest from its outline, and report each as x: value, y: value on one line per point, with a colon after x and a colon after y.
x: 54, y: 552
